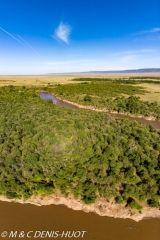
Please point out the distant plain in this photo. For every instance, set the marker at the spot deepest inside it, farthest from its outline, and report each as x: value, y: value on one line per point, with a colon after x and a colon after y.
x: 152, y: 95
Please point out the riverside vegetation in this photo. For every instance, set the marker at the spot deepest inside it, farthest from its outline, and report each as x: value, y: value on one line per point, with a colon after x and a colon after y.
x: 114, y: 95
x: 45, y: 148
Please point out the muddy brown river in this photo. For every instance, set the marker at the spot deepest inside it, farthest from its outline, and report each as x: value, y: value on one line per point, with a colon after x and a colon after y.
x: 32, y: 220
x: 26, y: 221
x: 49, y: 96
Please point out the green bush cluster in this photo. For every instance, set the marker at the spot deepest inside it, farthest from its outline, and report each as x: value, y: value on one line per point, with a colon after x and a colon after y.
x: 45, y: 148
x: 114, y: 95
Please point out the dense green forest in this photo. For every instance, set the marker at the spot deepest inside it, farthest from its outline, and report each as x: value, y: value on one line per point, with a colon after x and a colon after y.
x: 45, y: 148
x: 114, y: 95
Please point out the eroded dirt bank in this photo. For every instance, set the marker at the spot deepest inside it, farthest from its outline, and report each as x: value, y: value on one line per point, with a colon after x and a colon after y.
x: 92, y: 108
x: 101, y: 207
x: 149, y: 118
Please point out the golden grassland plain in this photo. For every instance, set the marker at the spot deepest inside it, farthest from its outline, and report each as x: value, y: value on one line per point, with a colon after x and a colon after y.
x: 42, y: 80
x: 35, y: 80
x: 152, y: 95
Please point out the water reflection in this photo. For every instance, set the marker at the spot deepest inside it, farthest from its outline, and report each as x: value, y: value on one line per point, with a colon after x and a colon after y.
x: 48, y: 96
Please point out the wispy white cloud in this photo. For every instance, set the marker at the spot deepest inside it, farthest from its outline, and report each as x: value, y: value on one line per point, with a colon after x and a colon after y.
x: 153, y: 30
x: 27, y: 44
x: 66, y: 62
x: 132, y: 52
x: 127, y: 58
x: 134, y: 55
x: 140, y: 51
x: 12, y: 36
x: 63, y: 32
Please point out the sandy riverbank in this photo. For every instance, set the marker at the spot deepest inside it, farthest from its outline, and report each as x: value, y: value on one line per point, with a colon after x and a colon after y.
x: 101, y: 207
x: 92, y: 108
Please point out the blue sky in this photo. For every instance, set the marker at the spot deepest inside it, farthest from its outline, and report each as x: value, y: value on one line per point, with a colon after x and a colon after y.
x: 57, y: 36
